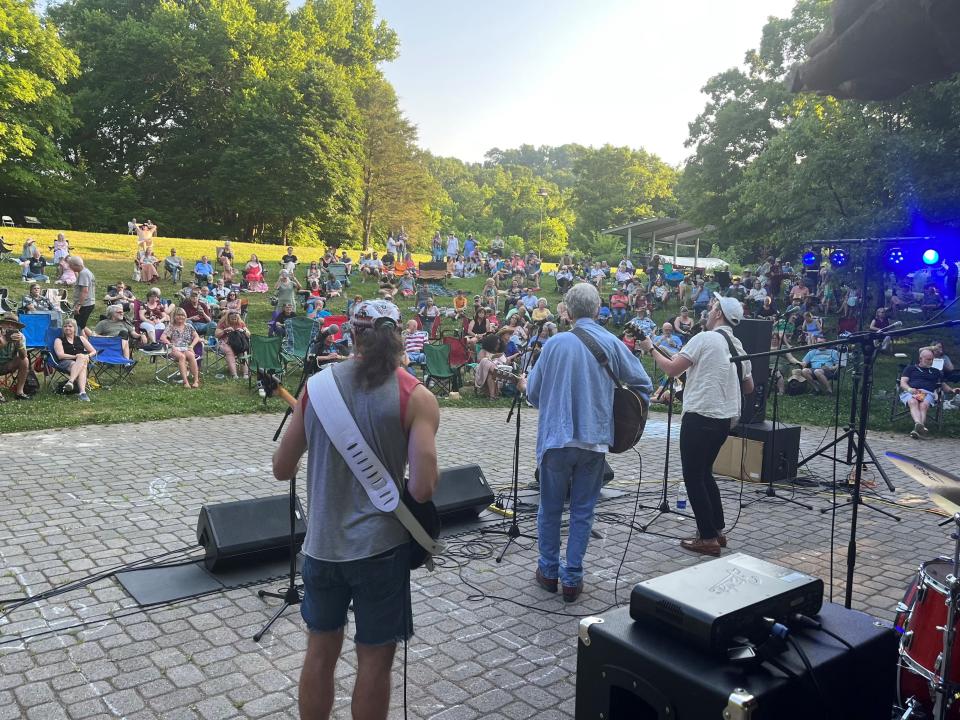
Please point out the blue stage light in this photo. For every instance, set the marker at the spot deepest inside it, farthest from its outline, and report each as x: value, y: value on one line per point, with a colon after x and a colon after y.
x: 810, y: 258
x: 894, y: 257
x: 931, y: 256
x: 839, y: 258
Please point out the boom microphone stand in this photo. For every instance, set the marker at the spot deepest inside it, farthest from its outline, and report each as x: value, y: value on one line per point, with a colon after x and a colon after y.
x: 293, y: 594
x: 513, y: 531
x: 768, y: 449
x: 663, y: 507
x: 866, y: 341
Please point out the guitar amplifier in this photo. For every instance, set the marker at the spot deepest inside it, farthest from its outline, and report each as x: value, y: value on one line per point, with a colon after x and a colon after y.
x: 634, y: 671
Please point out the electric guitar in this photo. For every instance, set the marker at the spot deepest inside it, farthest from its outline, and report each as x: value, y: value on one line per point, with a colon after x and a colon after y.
x: 268, y: 385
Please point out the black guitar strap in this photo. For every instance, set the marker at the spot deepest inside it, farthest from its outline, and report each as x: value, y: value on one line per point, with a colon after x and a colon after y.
x: 594, y: 347
x: 733, y: 353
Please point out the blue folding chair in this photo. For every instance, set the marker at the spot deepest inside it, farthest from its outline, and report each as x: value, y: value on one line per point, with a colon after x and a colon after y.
x: 34, y: 331
x: 51, y: 367
x: 111, y: 367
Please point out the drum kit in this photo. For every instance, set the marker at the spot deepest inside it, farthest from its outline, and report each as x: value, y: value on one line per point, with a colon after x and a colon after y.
x: 928, y: 676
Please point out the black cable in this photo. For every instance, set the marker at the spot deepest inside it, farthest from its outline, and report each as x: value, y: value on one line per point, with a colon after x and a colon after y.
x: 626, y: 545
x: 813, y: 678
x: 96, y: 577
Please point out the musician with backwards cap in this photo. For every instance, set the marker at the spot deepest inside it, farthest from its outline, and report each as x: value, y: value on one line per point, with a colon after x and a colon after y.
x: 353, y: 552
x: 711, y: 404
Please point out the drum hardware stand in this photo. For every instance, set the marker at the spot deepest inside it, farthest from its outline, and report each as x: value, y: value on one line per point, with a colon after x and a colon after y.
x: 513, y: 531
x: 771, y: 491
x: 866, y: 341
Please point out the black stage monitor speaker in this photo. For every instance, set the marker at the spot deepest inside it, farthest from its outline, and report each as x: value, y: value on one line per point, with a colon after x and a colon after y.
x: 462, y: 490
x: 247, y: 532
x: 755, y: 336
x: 433, y: 266
x: 635, y: 671
x: 781, y: 448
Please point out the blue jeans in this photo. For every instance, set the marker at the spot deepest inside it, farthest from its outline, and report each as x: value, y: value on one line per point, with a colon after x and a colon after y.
x: 203, y: 328
x: 581, y: 473
x: 39, y: 277
x: 415, y: 359
x: 619, y: 315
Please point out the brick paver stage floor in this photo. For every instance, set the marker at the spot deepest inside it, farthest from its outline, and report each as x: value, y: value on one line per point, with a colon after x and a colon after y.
x: 76, y: 502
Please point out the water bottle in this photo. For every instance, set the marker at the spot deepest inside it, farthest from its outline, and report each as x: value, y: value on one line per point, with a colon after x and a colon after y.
x: 681, y: 497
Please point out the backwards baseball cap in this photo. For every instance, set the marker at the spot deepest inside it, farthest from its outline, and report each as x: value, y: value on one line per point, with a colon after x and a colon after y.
x: 373, y: 313
x: 731, y: 308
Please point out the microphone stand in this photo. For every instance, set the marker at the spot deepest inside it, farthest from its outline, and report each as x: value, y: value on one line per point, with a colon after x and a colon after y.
x: 293, y: 594
x: 663, y: 507
x: 768, y: 449
x: 866, y: 340
x: 513, y: 531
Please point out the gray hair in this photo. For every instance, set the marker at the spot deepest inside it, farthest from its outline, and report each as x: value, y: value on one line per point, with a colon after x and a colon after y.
x: 70, y: 321
x: 583, y: 301
x: 112, y: 310
x: 75, y: 261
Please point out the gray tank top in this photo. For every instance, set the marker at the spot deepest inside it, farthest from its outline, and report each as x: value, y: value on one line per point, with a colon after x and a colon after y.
x: 342, y: 522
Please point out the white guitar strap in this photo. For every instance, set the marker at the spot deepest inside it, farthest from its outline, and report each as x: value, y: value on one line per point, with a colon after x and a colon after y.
x: 341, y: 428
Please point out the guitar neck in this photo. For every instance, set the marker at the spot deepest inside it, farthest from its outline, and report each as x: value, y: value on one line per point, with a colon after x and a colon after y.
x: 285, y: 395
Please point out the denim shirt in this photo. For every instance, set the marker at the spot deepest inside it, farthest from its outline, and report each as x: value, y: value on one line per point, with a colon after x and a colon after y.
x: 574, y: 393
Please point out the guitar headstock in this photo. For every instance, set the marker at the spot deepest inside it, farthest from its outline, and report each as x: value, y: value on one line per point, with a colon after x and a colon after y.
x: 267, y: 383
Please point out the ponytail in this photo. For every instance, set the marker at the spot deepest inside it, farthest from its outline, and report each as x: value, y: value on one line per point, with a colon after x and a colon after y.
x: 378, y: 355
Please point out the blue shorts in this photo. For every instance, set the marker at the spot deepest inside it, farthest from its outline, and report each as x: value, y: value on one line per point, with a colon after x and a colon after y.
x: 931, y: 398
x: 378, y: 586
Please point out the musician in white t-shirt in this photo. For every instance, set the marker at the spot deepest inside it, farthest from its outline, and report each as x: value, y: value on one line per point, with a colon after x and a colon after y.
x: 711, y: 402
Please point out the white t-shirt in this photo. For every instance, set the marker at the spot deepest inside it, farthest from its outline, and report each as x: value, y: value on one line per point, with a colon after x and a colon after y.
x: 713, y: 388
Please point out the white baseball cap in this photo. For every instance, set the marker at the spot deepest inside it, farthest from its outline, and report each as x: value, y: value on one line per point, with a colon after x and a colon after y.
x: 731, y: 308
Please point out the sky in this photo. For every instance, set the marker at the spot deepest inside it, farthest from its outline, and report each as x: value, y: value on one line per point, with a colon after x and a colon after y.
x: 500, y: 73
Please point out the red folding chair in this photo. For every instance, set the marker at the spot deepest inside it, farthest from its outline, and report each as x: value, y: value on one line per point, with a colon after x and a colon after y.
x: 435, y: 327
x: 338, y: 320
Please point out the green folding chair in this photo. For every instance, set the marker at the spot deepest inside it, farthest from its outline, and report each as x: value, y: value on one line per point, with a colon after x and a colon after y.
x: 265, y: 354
x: 438, y: 375
x: 296, y: 344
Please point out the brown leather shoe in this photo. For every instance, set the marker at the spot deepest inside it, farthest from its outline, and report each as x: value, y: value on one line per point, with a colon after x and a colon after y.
x: 548, y: 584
x: 571, y: 593
x: 721, y: 539
x: 704, y: 547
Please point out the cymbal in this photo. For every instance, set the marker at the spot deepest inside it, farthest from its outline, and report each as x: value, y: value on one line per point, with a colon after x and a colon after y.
x: 943, y: 486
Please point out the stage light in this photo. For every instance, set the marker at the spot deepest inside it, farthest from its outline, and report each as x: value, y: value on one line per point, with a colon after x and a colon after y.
x: 838, y: 258
x: 810, y: 258
x: 931, y: 256
x: 894, y: 257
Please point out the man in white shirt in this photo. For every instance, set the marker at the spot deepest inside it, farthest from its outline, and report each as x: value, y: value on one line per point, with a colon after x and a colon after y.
x: 453, y: 247
x: 711, y: 402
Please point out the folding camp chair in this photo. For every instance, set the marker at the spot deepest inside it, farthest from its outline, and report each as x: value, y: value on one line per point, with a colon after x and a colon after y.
x: 339, y: 271
x: 296, y: 344
x: 5, y: 305
x: 51, y: 368
x: 111, y: 367
x: 167, y: 369
x: 337, y: 320
x: 265, y: 354
x: 899, y: 410
x: 34, y: 331
x: 438, y: 375
x: 459, y: 358
x: 6, y: 221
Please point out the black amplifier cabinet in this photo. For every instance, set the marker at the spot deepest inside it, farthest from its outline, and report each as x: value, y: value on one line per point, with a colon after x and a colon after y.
x: 781, y: 448
x: 630, y: 671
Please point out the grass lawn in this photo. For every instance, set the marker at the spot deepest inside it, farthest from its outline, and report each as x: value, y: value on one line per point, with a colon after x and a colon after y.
x: 141, y: 398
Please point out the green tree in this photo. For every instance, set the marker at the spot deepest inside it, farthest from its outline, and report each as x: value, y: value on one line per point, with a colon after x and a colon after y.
x: 34, y: 66
x: 396, y: 186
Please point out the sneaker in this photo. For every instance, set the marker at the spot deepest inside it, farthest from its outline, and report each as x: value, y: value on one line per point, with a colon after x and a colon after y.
x: 923, y: 430
x: 914, y: 434
x: 68, y: 387
x: 83, y: 397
